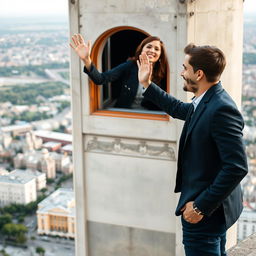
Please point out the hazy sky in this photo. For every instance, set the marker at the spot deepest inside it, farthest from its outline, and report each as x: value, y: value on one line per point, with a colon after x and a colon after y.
x: 249, y: 6
x: 10, y: 8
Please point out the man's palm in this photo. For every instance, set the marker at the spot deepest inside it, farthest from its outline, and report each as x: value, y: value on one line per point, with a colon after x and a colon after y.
x: 144, y: 70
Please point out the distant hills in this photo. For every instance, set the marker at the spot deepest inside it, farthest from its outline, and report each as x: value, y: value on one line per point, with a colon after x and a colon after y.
x: 32, y: 24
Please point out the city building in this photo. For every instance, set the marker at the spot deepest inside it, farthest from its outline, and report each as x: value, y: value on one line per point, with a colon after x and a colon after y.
x: 48, y: 164
x: 67, y: 149
x: 19, y: 161
x: 52, y: 146
x: 36, y: 160
x: 68, y: 168
x: 3, y: 171
x: 56, y: 214
x: 39, y: 176
x: 61, y: 161
x: 5, y: 139
x: 32, y: 142
x: 63, y: 138
x: 17, y: 187
x: 247, y: 222
x: 16, y: 129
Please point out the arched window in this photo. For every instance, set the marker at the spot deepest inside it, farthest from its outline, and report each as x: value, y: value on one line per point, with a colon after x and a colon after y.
x: 112, y: 48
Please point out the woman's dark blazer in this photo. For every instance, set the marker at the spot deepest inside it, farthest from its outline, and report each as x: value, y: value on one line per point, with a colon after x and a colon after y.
x: 125, y: 74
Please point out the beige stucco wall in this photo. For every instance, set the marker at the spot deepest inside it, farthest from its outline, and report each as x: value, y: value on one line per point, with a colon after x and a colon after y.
x: 220, y: 23
x: 177, y: 24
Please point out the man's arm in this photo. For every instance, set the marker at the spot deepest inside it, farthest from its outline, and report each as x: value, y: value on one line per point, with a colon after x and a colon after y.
x: 172, y: 106
x: 154, y: 93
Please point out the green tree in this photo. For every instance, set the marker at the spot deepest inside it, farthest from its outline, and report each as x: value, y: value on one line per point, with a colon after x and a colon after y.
x: 40, y: 251
x: 49, y: 181
x: 21, y: 219
x: 5, y: 219
x: 4, y: 253
x: 21, y: 238
x: 43, y: 190
x: 27, y: 93
x: 21, y: 209
x: 14, y: 232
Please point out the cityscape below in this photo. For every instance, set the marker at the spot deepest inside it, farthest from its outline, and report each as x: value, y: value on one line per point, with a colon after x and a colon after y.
x: 36, y: 185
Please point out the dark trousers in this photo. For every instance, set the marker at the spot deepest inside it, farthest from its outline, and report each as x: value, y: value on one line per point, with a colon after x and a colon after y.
x: 206, y: 238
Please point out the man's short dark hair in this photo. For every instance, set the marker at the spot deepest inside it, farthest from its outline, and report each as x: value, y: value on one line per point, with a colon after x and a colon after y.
x: 210, y: 59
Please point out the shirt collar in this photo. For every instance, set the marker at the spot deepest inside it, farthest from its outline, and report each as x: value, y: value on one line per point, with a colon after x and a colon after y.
x: 196, y: 100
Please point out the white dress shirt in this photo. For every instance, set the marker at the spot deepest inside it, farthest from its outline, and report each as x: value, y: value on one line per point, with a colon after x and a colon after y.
x: 196, y: 100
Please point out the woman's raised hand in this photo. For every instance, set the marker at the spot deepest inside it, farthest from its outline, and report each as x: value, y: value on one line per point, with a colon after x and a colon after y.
x: 82, y: 48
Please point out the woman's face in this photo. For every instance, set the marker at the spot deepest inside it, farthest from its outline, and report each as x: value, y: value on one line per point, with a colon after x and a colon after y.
x: 153, y: 50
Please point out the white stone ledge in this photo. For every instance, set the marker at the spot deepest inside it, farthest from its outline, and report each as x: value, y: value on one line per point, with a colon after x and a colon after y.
x: 247, y: 247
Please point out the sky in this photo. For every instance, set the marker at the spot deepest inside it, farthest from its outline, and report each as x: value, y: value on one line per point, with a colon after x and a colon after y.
x: 21, y: 8
x: 249, y: 6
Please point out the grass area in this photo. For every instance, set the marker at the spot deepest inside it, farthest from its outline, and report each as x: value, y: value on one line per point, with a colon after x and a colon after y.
x: 27, y: 94
x: 27, y: 70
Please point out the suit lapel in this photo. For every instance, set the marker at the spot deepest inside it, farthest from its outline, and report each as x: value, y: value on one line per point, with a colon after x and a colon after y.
x: 185, y: 127
x: 201, y: 108
x: 194, y: 119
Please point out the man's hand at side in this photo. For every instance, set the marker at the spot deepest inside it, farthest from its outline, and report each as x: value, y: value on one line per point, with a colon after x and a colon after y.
x: 189, y: 214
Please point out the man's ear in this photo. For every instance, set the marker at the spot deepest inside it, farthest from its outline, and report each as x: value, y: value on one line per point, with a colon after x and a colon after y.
x: 200, y: 74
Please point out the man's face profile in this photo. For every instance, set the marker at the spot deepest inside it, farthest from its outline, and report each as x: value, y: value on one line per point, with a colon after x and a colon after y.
x: 189, y: 76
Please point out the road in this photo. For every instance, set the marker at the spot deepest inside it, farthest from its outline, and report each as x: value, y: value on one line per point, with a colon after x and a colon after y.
x: 21, y: 80
x: 54, y: 75
x: 51, y: 249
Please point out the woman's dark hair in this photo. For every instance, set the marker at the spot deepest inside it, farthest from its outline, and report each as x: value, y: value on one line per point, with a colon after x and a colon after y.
x: 210, y: 59
x: 160, y: 67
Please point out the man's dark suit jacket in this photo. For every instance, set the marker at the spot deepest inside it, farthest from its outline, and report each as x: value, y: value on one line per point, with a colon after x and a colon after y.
x: 211, y: 158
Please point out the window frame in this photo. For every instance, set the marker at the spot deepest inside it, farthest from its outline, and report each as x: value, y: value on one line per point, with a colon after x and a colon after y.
x: 95, y: 90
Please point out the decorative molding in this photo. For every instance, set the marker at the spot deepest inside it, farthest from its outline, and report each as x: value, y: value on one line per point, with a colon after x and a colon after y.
x: 130, y: 147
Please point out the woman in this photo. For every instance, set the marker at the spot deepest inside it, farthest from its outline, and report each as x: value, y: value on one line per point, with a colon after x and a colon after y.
x: 127, y: 73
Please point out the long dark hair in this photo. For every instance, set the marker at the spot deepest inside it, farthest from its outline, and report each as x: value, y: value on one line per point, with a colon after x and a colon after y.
x: 160, y: 67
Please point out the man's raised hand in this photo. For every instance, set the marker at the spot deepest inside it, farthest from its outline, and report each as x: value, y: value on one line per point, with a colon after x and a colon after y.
x: 144, y: 70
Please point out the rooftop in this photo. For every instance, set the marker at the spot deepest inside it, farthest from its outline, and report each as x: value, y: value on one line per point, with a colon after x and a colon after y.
x: 17, y: 177
x: 54, y: 135
x: 27, y: 172
x: 62, y: 201
x: 68, y: 147
x: 12, y: 128
x: 51, y: 144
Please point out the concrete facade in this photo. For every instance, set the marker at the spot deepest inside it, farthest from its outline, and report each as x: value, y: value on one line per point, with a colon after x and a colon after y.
x: 125, y: 167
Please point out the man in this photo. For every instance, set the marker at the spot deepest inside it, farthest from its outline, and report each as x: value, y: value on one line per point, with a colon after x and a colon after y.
x: 211, y: 158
